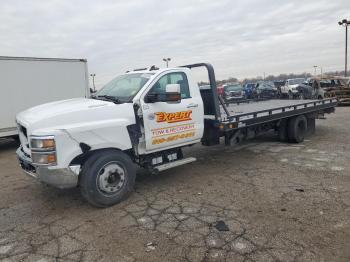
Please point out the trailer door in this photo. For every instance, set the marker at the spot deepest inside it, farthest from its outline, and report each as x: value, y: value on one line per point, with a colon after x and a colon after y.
x: 169, y: 124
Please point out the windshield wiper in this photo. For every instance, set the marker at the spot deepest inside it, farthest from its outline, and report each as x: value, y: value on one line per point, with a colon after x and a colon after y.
x: 110, y: 98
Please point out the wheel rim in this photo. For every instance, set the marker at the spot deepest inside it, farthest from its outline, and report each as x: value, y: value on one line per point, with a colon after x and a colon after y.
x: 111, y: 178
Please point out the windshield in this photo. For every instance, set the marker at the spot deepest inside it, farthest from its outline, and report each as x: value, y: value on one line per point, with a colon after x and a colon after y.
x: 296, y: 81
x: 124, y: 87
x: 233, y: 88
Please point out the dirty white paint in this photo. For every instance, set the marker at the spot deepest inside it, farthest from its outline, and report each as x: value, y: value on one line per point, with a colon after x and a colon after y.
x: 284, y: 160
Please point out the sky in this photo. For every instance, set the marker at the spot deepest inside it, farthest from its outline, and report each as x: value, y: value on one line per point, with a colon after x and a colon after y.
x: 241, y: 38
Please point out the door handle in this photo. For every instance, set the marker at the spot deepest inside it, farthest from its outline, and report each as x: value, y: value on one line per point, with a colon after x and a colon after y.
x: 192, y: 105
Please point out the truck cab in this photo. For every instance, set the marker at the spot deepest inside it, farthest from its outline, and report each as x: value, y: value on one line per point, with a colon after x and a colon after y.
x: 142, y: 116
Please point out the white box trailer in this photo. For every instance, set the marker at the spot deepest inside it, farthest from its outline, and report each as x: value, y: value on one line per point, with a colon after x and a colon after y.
x: 26, y: 82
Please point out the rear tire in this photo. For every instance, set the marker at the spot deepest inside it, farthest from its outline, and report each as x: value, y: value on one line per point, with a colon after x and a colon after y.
x: 107, y: 178
x: 297, y: 128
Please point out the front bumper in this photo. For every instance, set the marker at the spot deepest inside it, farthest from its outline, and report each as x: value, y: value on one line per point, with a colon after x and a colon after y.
x: 57, y: 177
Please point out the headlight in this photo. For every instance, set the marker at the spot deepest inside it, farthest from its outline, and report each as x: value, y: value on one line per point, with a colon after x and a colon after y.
x: 43, y: 150
x: 42, y: 158
x: 47, y: 143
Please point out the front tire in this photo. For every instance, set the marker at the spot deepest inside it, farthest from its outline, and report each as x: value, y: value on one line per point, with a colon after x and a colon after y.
x: 107, y: 178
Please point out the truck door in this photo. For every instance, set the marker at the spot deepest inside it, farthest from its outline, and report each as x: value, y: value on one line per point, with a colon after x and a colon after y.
x: 172, y: 124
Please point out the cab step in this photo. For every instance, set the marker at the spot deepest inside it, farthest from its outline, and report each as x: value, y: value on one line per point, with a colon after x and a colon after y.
x: 174, y: 164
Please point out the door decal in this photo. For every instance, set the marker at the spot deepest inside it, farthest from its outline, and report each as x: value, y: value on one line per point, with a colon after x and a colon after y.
x: 173, y: 117
x: 172, y: 138
x: 172, y: 133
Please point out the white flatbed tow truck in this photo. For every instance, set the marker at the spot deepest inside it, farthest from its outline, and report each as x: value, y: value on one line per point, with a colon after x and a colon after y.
x: 144, y: 118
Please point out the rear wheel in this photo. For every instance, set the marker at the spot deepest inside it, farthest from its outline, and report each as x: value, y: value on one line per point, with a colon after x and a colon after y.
x: 107, y: 177
x: 297, y: 127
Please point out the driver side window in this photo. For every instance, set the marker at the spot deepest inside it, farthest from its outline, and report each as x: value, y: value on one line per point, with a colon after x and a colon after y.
x: 180, y: 78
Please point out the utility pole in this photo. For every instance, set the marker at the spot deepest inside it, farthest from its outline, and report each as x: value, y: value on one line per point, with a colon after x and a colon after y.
x: 93, y: 81
x: 167, y: 60
x: 345, y: 23
x: 315, y: 66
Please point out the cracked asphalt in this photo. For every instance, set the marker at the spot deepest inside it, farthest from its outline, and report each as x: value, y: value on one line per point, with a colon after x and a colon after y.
x: 280, y: 202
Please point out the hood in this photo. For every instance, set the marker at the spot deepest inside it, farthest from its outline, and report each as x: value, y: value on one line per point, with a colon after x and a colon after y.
x: 73, y: 111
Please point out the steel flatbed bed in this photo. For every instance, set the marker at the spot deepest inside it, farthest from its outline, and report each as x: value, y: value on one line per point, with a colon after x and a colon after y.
x: 237, y: 121
x: 257, y: 112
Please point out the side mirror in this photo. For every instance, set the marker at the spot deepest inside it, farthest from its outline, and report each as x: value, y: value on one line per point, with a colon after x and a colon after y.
x: 172, y: 93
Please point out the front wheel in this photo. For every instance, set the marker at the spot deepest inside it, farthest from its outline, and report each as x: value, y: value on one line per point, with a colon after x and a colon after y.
x: 107, y: 177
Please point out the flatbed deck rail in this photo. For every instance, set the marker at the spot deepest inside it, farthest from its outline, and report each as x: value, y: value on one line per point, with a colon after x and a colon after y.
x: 255, y: 117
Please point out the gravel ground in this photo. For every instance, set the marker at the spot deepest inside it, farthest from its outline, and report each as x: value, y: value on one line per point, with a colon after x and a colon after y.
x: 278, y: 201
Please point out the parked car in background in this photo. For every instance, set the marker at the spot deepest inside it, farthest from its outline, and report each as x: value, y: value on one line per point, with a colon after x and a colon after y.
x: 250, y: 90
x: 278, y: 84
x: 307, y: 91
x: 325, y: 87
x: 290, y: 88
x: 266, y: 89
x: 233, y: 92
